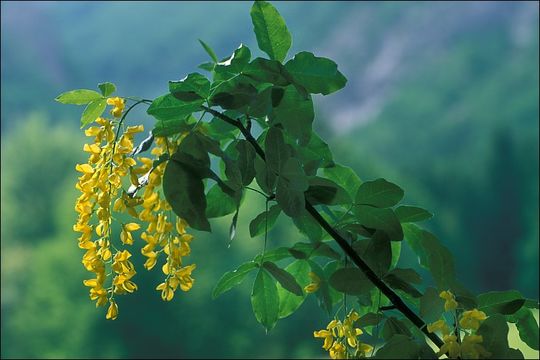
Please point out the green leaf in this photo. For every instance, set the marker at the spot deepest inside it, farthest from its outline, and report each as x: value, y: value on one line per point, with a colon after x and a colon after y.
x: 376, y: 252
x: 406, y: 213
x: 233, y: 278
x: 331, y: 267
x: 403, y: 347
x: 396, y: 253
x: 500, y: 302
x: 289, y: 302
x: 315, y: 154
x: 345, y: 177
x: 291, y: 185
x: 284, y: 278
x: 308, y: 226
x: 270, y: 30
x: 92, y: 111
x: 350, y: 280
x: 324, y: 191
x: 266, y: 71
x: 258, y: 225
x: 379, y: 193
x: 407, y: 275
x: 173, y: 126
x: 494, y: 331
x: 273, y: 255
x: 527, y: 326
x: 431, y: 305
x: 233, y: 65
x: 235, y: 94
x: 79, y: 97
x: 295, y: 113
x: 276, y: 150
x: 380, y: 219
x: 246, y: 158
x: 209, y: 51
x: 323, y: 294
x: 266, y: 178
x: 307, y: 250
x: 370, y: 319
x: 531, y: 303
x: 207, y: 66
x: 393, y: 327
x: 220, y: 130
x: 218, y: 203
x: 432, y: 255
x: 107, y: 88
x: 193, y: 87
x: 184, y: 191
x: 265, y: 300
x: 400, y: 281
x: 232, y: 228
x: 318, y: 75
x: 168, y: 107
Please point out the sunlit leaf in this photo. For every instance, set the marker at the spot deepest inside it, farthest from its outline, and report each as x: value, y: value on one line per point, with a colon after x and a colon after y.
x: 272, y: 34
x: 79, y: 97
x: 265, y: 300
x: 233, y: 278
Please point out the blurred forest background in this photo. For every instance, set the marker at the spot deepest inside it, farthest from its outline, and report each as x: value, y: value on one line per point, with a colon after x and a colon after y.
x: 442, y: 99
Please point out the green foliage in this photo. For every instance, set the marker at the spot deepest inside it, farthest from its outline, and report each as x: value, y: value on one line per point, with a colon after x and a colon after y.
x: 379, y: 193
x: 184, y: 190
x: 289, y: 302
x: 265, y: 300
x: 317, y: 75
x: 272, y: 34
x: 345, y: 177
x: 286, y: 161
x: 107, y: 88
x: 526, y: 325
x: 407, y: 214
x: 168, y: 107
x: 500, y: 302
x: 351, y: 281
x: 431, y: 305
x: 494, y: 331
x: 78, y: 97
x: 264, y: 221
x: 285, y: 279
x: 233, y: 278
x: 209, y: 51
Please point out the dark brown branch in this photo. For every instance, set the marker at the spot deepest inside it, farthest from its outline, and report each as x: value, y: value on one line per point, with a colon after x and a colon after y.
x: 353, y: 255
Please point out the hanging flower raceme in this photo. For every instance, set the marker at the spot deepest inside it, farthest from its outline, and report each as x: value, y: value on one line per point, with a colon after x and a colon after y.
x: 341, y: 338
x: 467, y: 347
x: 110, y: 166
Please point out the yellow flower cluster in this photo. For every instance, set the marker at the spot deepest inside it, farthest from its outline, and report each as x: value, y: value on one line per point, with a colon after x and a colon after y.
x: 338, y: 335
x: 118, y: 104
x: 100, y: 183
x: 467, y: 348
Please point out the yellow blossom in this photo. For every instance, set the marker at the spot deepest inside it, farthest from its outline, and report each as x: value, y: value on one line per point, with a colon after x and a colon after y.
x: 118, y: 104
x: 338, y: 351
x: 472, y: 319
x: 327, y: 336
x: 112, y: 312
x: 450, y: 347
x: 439, y: 325
x: 450, y: 301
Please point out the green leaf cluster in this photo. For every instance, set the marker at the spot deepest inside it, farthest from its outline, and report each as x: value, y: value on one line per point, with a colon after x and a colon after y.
x: 247, y: 126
